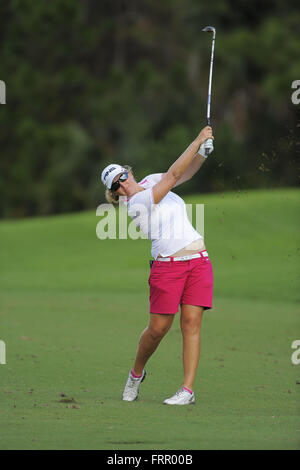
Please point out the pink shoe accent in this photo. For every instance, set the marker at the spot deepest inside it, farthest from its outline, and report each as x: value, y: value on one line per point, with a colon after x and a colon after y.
x: 135, y: 376
x: 188, y: 390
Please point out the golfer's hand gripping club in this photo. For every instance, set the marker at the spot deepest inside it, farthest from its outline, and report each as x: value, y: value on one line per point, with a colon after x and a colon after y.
x: 207, y: 146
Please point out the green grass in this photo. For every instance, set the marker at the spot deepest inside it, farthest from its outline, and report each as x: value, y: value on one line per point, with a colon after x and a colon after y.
x: 73, y: 307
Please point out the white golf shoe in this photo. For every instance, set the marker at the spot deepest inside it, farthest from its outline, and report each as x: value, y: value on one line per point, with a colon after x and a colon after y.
x: 132, y: 386
x: 181, y: 397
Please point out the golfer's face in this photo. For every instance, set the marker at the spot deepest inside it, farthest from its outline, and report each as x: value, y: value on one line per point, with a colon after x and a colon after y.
x: 123, y: 184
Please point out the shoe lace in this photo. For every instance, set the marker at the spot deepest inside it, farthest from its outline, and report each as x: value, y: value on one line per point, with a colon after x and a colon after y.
x: 131, y: 387
x: 132, y: 384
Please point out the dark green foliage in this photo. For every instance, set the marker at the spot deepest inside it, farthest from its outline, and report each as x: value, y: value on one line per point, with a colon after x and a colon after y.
x: 90, y: 82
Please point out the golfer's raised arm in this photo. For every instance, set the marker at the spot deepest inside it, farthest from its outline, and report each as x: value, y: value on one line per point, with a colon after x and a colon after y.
x: 180, y: 166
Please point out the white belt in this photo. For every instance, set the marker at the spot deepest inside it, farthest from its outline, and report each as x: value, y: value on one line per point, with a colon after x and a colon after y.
x: 202, y: 254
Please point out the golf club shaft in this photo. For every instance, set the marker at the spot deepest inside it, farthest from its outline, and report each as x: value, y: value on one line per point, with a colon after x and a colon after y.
x: 208, y: 145
x: 210, y: 79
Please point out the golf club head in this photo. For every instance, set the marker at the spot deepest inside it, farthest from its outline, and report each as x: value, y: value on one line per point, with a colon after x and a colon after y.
x: 209, y: 29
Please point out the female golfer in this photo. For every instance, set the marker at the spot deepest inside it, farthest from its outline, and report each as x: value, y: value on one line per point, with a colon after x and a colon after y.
x: 181, y: 272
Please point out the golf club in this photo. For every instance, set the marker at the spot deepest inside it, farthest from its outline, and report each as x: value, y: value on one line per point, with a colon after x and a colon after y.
x: 209, y: 143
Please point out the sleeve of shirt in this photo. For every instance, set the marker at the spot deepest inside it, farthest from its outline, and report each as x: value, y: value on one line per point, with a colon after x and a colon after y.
x: 155, y: 178
x: 145, y: 198
x: 152, y: 179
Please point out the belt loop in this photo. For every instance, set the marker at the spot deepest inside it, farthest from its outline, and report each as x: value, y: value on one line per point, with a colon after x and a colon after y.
x: 172, y: 258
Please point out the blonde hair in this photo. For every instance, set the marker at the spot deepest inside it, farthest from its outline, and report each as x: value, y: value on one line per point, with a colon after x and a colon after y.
x: 111, y: 196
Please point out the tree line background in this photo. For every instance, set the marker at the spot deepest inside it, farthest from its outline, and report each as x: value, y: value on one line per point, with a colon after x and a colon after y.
x: 94, y: 82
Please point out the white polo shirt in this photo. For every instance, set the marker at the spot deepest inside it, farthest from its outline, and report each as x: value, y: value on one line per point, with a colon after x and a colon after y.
x: 166, y: 224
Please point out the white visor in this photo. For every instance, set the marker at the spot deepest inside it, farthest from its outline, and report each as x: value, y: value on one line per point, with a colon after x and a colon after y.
x: 110, y: 172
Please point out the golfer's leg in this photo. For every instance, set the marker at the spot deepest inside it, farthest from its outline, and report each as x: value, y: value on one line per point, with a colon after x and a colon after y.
x: 190, y: 321
x: 159, y: 325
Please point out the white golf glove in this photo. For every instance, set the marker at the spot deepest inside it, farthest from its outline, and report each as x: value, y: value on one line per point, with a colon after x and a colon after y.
x: 206, y: 148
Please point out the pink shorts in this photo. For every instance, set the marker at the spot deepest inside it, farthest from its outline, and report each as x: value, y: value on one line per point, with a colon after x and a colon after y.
x: 173, y: 283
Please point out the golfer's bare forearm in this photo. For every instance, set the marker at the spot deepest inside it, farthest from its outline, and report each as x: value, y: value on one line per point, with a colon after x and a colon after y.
x: 195, y: 164
x: 183, y: 162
